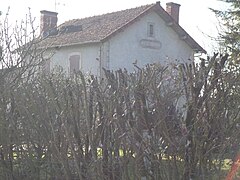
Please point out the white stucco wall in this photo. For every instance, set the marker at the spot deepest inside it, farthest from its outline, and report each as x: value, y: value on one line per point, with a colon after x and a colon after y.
x: 126, y: 47
x: 88, y: 57
x: 166, y: 46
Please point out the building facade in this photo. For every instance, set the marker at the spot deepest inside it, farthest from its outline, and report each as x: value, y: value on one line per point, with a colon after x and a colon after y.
x: 141, y: 35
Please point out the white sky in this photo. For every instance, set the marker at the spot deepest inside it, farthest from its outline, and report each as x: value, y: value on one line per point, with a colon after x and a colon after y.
x: 195, y: 16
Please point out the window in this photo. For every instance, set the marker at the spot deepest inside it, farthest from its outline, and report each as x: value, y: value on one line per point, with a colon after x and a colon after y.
x: 151, y: 32
x: 74, y: 63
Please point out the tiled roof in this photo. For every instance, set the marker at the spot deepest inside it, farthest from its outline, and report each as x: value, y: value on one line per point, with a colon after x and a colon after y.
x: 99, y: 28
x: 95, y: 28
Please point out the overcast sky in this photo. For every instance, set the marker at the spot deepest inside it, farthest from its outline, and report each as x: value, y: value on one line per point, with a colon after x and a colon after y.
x: 195, y: 16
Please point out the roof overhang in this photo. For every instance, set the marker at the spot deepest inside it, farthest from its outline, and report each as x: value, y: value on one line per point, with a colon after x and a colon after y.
x: 58, y: 46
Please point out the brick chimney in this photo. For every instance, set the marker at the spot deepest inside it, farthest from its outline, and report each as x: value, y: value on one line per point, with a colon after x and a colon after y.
x: 48, y: 22
x: 173, y: 10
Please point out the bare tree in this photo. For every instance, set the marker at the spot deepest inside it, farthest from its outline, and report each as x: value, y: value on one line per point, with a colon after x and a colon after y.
x: 19, y: 58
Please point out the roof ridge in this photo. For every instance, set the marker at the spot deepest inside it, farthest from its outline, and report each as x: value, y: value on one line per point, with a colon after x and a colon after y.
x: 94, y: 16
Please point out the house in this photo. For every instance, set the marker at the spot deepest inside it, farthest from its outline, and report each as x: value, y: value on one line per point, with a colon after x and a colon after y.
x: 144, y: 34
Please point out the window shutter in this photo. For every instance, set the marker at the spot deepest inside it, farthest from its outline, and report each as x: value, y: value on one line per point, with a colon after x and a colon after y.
x: 74, y: 63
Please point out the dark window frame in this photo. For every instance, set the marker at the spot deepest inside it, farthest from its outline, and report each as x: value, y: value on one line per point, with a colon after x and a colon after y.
x: 151, y: 29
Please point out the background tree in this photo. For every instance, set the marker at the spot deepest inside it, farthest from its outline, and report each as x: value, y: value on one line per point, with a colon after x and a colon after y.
x: 230, y: 37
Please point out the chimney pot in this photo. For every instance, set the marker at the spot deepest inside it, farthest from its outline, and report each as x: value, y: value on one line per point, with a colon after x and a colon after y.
x: 48, y: 21
x: 173, y: 10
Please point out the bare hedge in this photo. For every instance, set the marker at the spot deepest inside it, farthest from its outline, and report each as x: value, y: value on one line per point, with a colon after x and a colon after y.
x: 175, y: 122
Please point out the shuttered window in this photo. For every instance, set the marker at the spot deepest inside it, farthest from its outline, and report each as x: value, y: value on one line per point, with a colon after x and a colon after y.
x: 74, y: 61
